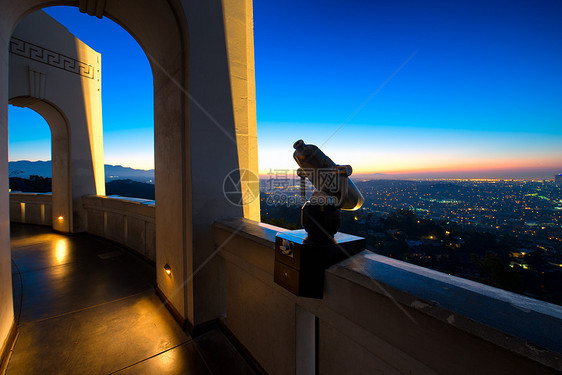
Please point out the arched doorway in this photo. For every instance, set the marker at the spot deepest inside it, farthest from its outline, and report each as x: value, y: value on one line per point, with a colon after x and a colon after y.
x: 60, y: 155
x: 160, y: 29
x: 201, y: 79
x: 58, y: 76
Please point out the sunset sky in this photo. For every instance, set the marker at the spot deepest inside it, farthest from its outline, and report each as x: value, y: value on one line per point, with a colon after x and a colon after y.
x: 388, y: 87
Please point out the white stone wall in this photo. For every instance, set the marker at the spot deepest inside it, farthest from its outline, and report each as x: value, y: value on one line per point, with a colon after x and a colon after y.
x: 31, y: 208
x: 366, y: 326
x: 128, y: 223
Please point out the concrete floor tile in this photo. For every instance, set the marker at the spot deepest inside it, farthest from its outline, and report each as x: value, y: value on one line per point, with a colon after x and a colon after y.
x: 89, y: 307
x: 97, y: 340
x: 69, y: 287
x: 220, y: 355
x: 184, y: 359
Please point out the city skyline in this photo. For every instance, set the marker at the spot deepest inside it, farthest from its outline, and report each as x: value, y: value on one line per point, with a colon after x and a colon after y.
x: 392, y: 88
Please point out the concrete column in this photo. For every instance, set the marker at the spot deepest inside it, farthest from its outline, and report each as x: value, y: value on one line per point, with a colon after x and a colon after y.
x: 6, y: 302
x: 239, y: 29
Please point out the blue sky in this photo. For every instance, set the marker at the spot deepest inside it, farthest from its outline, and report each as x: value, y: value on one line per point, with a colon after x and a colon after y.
x: 393, y: 86
x: 481, y: 91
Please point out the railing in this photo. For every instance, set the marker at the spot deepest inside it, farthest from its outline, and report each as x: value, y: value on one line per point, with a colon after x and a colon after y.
x: 129, y: 222
x: 31, y: 208
x: 380, y: 315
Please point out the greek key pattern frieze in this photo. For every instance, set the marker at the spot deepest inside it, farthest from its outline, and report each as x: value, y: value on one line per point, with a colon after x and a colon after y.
x: 46, y: 56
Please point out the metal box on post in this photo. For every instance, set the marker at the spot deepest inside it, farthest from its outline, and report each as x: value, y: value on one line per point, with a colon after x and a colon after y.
x: 300, y: 264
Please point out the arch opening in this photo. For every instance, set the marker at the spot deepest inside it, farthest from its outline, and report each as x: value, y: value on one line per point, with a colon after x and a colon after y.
x: 203, y: 100
x: 160, y: 29
x: 127, y: 102
x: 59, y: 212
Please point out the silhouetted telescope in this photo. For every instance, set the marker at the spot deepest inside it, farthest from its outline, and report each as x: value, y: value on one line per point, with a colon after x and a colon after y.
x: 301, y: 256
x: 321, y: 216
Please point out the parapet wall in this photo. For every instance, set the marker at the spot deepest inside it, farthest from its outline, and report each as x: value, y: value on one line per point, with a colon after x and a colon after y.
x: 130, y: 223
x: 379, y: 315
x: 31, y: 208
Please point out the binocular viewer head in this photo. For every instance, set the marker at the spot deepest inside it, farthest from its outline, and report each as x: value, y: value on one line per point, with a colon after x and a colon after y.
x: 327, y: 177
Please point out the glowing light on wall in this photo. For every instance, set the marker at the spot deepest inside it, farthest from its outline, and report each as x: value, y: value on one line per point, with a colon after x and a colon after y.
x: 167, y: 269
x: 22, y: 212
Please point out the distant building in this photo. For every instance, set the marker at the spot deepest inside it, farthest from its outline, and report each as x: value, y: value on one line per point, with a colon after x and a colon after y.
x: 520, y: 253
x: 558, y: 180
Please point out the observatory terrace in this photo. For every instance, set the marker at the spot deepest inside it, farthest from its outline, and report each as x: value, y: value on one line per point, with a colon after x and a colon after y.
x: 377, y: 313
x: 103, y: 285
x: 86, y: 305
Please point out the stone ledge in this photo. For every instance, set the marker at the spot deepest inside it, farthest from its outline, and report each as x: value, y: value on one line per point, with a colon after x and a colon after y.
x: 16, y: 196
x: 522, y: 325
x: 119, y: 206
x: 261, y: 233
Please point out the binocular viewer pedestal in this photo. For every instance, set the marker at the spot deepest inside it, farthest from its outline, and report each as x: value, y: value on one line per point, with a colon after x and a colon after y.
x: 300, y: 263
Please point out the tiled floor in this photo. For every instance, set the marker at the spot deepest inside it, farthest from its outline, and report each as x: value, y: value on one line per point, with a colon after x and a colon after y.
x: 89, y: 307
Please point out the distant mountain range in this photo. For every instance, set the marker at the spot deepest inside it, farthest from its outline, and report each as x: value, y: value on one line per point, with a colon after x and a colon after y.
x: 25, y: 168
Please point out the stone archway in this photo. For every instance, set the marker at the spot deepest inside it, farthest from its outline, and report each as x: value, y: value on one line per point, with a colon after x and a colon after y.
x: 202, y: 77
x: 58, y: 76
x: 160, y: 29
x: 60, y: 154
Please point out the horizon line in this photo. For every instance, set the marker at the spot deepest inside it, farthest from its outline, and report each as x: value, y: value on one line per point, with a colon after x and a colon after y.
x: 397, y: 175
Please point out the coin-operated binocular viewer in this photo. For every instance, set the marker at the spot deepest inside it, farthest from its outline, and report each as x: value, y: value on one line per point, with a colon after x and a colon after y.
x: 301, y: 256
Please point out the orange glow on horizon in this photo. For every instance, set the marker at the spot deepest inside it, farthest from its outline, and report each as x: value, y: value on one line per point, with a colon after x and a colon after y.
x: 412, y: 160
x: 506, y: 166
x: 447, y: 168
x: 429, y: 164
